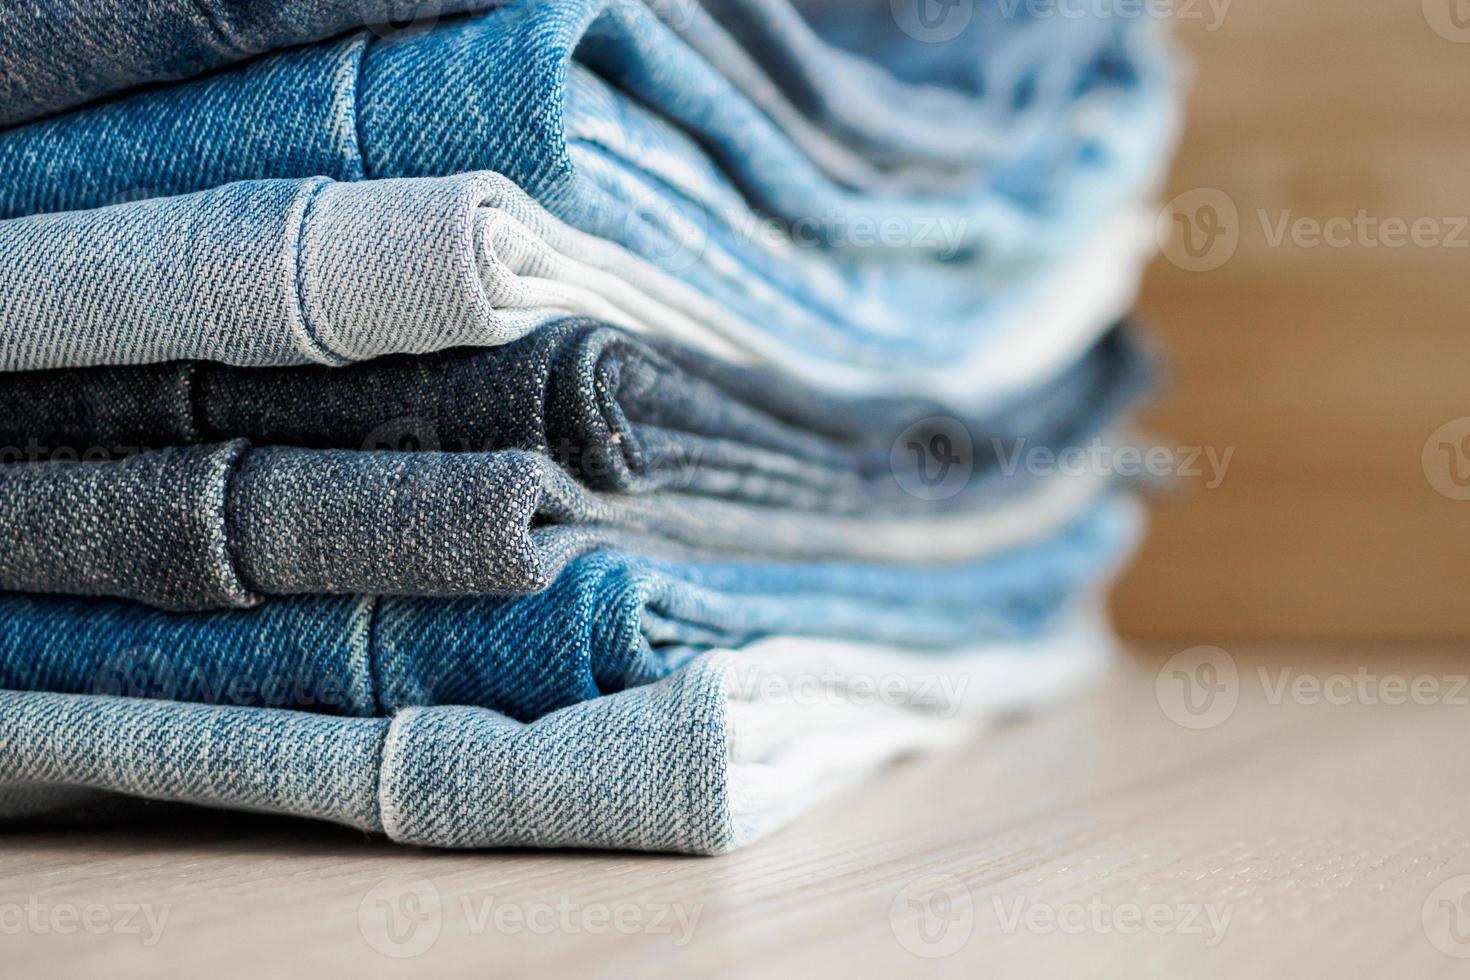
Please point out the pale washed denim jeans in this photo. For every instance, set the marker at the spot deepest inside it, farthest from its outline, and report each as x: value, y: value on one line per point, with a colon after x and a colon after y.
x: 721, y: 753
x: 614, y: 168
x: 342, y: 272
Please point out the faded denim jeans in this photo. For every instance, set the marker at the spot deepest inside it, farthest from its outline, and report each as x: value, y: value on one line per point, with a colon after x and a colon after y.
x: 283, y: 272
x: 719, y: 754
x: 226, y: 525
x: 956, y: 272
x: 611, y: 621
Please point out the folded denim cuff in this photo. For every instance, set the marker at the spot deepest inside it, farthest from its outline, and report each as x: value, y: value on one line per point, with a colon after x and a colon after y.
x: 354, y: 242
x: 708, y: 760
x: 218, y: 526
x: 154, y: 525
x: 233, y: 275
x: 257, y: 273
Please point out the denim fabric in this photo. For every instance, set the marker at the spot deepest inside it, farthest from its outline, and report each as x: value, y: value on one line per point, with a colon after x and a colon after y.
x: 61, y: 53
x: 288, y: 272
x: 1027, y: 64
x: 618, y: 414
x: 224, y: 525
x: 469, y: 95
x: 626, y: 44
x: 717, y: 755
x: 610, y: 622
x: 276, y: 272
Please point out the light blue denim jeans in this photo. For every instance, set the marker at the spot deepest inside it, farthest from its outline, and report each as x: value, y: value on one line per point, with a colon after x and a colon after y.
x: 719, y: 754
x: 264, y: 273
x: 659, y: 152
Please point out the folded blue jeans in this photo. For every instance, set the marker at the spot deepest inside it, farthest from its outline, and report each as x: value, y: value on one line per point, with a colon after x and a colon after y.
x: 65, y: 53
x: 618, y: 413
x: 611, y: 621
x: 470, y: 94
x: 843, y: 112
x: 266, y: 273
x: 225, y: 525
x: 719, y: 754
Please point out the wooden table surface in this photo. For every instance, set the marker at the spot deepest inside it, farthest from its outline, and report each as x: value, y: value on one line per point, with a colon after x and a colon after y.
x: 1301, y: 815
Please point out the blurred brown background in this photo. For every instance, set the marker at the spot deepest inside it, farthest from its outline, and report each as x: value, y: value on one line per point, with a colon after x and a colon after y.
x: 1326, y: 368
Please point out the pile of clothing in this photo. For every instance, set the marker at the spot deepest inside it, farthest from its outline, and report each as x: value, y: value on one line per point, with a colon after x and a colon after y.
x: 592, y: 423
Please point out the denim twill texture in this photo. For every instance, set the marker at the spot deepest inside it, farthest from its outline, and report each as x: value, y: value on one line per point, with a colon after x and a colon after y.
x: 617, y: 413
x: 62, y: 53
x: 227, y: 524
x: 467, y: 96
x: 700, y: 762
x: 610, y: 622
x: 313, y: 271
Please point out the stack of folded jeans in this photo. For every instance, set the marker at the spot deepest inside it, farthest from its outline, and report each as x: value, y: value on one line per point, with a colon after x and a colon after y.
x: 600, y: 423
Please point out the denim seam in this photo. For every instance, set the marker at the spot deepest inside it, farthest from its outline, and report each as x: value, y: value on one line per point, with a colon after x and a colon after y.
x: 354, y: 105
x: 388, y: 816
x: 371, y: 658
x: 221, y: 33
x: 193, y: 404
x: 231, y: 556
x: 309, y: 334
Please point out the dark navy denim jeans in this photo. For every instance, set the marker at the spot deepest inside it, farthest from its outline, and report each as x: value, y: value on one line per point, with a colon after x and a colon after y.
x: 618, y: 412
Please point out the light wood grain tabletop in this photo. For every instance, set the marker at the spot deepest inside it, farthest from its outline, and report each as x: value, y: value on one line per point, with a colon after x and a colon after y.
x: 1204, y: 813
